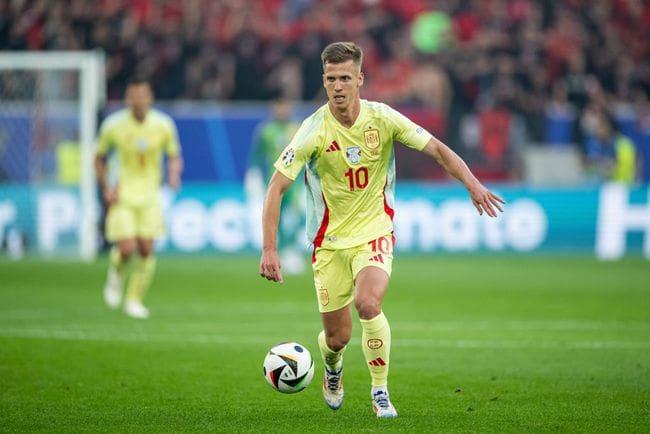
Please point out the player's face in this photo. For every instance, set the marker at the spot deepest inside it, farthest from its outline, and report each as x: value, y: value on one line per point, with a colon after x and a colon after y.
x: 342, y: 82
x: 138, y: 99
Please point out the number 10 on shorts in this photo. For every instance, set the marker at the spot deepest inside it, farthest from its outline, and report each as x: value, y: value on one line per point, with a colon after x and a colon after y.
x: 382, y: 245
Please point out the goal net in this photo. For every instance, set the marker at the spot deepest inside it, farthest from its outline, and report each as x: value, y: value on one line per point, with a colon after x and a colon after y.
x: 49, y: 105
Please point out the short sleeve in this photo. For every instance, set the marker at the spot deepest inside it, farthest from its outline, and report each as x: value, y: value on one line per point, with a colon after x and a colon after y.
x: 173, y: 145
x: 299, y: 151
x: 408, y: 132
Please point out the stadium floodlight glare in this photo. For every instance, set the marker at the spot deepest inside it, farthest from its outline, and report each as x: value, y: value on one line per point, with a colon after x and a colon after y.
x: 43, y: 75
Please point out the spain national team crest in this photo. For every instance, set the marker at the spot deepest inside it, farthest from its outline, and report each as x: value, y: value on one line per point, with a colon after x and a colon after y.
x: 142, y: 145
x: 323, y: 296
x: 371, y: 137
x: 353, y: 154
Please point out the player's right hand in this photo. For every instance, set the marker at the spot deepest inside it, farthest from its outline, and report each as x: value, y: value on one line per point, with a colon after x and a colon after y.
x: 270, y: 266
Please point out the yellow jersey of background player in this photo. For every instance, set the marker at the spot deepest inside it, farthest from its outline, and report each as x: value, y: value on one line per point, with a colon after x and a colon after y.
x: 140, y: 137
x: 140, y: 148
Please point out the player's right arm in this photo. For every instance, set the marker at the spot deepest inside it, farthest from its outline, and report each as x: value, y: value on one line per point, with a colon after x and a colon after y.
x: 304, y: 145
x: 104, y: 144
x: 270, y: 261
x: 109, y: 195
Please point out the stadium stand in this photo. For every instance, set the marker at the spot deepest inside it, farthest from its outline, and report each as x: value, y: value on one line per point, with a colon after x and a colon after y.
x: 541, y: 65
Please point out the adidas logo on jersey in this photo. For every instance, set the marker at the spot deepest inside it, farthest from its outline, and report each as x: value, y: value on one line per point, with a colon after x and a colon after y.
x: 333, y: 147
x: 377, y: 258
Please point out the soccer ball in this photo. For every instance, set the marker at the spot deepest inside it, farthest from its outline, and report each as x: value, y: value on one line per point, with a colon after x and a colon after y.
x: 288, y: 367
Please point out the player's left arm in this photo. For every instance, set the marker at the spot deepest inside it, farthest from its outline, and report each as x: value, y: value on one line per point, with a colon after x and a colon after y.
x: 174, y: 170
x: 174, y: 158
x: 482, y: 198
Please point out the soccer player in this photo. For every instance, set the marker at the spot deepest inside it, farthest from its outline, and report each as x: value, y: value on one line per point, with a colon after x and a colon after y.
x: 270, y: 138
x: 346, y: 148
x: 610, y: 155
x: 140, y: 136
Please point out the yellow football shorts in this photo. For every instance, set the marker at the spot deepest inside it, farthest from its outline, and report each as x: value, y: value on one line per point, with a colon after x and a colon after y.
x: 125, y: 222
x: 336, y: 270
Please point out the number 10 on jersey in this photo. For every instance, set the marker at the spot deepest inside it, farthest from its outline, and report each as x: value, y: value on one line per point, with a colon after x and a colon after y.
x: 357, y: 179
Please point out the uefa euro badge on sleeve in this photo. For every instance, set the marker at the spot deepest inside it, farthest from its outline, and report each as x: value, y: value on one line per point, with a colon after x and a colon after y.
x: 288, y: 156
x: 353, y: 154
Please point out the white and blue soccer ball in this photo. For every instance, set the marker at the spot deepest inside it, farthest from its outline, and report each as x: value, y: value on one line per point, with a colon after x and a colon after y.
x: 288, y: 367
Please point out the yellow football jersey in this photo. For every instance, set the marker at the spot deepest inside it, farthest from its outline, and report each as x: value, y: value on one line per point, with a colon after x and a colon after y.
x: 140, y: 148
x: 349, y: 172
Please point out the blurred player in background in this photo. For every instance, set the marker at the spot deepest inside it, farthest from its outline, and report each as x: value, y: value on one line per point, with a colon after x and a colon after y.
x: 140, y: 136
x: 610, y: 155
x: 346, y: 148
x: 270, y: 139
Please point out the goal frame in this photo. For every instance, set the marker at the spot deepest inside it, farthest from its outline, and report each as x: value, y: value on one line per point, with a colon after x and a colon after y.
x: 92, y: 95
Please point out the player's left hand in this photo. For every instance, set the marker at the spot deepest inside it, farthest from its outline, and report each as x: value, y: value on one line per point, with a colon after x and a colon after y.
x: 485, y: 201
x: 270, y: 266
x: 175, y: 182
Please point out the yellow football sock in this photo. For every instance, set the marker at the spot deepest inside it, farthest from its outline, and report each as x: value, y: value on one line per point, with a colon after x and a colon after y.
x: 117, y: 263
x: 141, y: 277
x: 375, y: 340
x: 330, y: 357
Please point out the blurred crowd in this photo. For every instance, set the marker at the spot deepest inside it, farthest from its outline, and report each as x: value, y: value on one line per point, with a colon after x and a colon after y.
x: 532, y: 71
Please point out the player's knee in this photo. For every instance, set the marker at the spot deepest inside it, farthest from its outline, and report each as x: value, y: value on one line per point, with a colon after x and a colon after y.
x: 338, y: 341
x: 367, y: 308
x: 145, y: 248
x: 126, y: 252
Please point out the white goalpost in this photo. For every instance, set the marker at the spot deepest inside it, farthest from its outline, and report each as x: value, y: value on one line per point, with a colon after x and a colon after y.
x: 46, y: 99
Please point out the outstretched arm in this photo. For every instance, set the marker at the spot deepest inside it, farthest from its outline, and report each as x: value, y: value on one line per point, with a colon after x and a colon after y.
x: 270, y: 261
x: 482, y: 198
x: 174, y: 169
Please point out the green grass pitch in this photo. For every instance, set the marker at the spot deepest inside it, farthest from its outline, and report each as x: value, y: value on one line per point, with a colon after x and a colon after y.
x: 480, y: 344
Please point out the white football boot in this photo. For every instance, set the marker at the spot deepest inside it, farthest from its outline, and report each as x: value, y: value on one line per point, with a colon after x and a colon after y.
x: 381, y: 403
x: 113, y: 290
x: 333, y: 386
x: 135, y: 309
